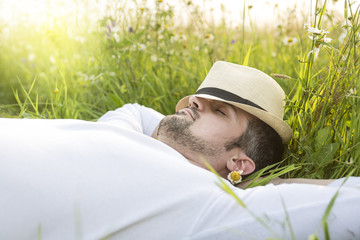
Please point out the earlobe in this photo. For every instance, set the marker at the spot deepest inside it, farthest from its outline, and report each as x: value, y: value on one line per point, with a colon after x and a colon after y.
x: 241, y: 162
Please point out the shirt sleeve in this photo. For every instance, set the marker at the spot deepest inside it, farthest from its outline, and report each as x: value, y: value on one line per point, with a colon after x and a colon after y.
x: 347, y: 182
x: 134, y: 117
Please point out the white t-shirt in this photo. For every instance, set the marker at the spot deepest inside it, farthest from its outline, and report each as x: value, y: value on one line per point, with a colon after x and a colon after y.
x: 74, y: 179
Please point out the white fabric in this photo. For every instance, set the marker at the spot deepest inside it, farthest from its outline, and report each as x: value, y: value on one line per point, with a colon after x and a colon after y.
x: 73, y: 179
x: 134, y: 116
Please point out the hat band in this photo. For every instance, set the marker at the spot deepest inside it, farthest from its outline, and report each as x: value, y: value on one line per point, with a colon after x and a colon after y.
x: 228, y: 96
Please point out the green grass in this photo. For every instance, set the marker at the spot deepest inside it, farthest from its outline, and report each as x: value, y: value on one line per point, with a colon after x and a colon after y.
x: 61, y: 70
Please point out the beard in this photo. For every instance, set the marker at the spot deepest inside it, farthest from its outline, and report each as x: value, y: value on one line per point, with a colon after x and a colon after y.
x: 175, y: 131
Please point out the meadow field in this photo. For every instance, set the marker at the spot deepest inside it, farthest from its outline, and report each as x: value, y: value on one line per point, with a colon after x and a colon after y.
x: 67, y: 68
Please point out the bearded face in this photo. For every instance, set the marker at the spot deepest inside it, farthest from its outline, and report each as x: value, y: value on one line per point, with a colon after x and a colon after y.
x: 176, y: 131
x: 203, y: 130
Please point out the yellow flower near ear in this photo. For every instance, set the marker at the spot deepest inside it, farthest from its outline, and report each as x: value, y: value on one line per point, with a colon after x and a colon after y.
x: 235, y: 177
x: 56, y: 90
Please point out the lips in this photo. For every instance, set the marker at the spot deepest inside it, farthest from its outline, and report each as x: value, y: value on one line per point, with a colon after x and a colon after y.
x: 191, y: 114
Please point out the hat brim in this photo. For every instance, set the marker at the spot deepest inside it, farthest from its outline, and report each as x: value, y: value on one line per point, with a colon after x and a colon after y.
x: 281, y: 127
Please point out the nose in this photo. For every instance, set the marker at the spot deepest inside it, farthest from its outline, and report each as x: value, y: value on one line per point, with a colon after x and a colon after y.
x: 197, y: 103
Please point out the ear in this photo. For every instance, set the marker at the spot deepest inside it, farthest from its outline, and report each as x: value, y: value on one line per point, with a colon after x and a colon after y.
x: 240, y: 161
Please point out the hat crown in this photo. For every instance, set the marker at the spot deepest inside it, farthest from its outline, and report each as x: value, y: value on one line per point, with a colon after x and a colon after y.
x: 248, y: 83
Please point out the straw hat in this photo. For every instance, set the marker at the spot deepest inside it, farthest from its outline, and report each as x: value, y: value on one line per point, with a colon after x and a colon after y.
x: 248, y: 89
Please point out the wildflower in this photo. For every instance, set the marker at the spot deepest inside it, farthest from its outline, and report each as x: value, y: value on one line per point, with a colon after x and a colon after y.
x: 319, y: 37
x: 113, y: 30
x: 141, y: 47
x: 314, y: 30
x: 56, y: 90
x: 131, y: 29
x: 320, y: 41
x: 235, y: 177
x: 209, y: 37
x: 325, y: 40
x: 178, y: 38
x: 233, y: 41
x: 350, y: 161
x: 159, y: 1
x: 142, y: 9
x: 315, y: 51
x: 289, y: 41
x: 352, y: 91
x: 250, y: 7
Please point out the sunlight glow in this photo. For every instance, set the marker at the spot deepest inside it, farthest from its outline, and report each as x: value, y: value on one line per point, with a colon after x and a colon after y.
x: 41, y: 12
x: 36, y: 11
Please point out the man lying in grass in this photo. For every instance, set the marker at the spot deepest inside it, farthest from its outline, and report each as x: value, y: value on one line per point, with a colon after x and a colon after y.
x: 138, y: 174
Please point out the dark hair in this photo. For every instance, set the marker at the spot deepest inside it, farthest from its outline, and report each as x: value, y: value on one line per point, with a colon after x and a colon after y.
x: 261, y: 143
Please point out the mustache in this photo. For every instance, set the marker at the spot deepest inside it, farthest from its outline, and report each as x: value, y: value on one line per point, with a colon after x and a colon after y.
x: 193, y: 110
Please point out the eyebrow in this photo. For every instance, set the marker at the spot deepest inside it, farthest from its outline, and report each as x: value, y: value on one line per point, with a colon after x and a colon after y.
x: 232, y: 107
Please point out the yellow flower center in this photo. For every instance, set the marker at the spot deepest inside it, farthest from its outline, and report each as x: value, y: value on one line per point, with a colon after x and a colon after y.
x: 290, y: 40
x: 235, y: 176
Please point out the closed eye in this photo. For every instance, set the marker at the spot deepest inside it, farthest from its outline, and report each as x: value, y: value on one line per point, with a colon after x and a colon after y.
x: 218, y: 110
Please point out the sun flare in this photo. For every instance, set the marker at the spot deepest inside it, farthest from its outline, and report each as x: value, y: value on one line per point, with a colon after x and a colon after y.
x: 40, y: 12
